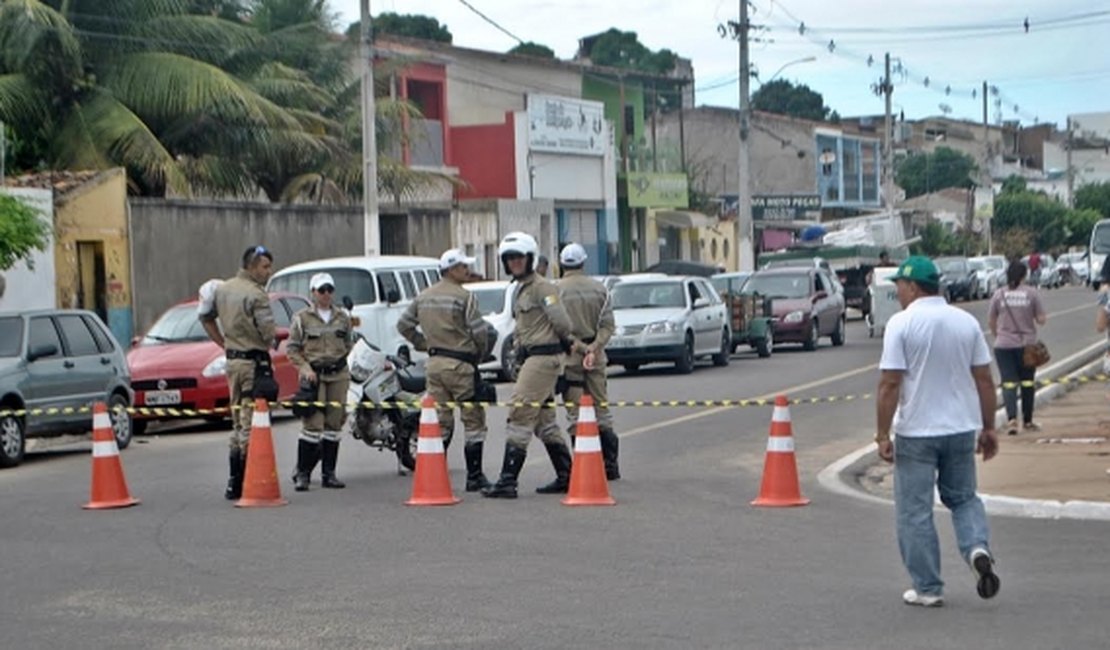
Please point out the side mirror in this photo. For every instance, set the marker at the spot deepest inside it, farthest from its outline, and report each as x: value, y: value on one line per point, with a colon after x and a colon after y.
x: 701, y: 302
x: 348, y: 304
x: 41, y: 351
x: 392, y: 296
x: 281, y: 334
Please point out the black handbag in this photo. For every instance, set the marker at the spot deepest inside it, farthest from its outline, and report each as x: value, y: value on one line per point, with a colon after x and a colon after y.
x: 309, y: 394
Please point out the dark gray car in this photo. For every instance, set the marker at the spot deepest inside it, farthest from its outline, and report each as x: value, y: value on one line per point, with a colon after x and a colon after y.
x: 54, y: 364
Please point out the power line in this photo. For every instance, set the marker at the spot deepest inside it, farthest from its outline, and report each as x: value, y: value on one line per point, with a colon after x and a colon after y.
x: 492, y: 22
x: 1022, y: 23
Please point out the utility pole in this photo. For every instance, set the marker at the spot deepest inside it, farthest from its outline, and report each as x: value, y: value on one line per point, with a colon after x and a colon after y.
x: 371, y: 228
x: 745, y: 248
x: 986, y: 169
x: 888, y: 90
x: 1071, y: 170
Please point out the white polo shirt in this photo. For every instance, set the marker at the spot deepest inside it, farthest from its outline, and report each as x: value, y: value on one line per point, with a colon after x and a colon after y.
x: 935, y: 345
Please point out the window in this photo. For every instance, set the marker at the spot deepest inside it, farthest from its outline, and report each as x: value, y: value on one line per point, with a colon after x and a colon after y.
x: 42, y: 332
x: 408, y: 283
x: 490, y: 301
x: 11, y: 336
x: 296, y: 304
x: 818, y: 283
x: 79, y: 340
x: 103, y: 341
x: 281, y: 314
x: 433, y: 275
x: 421, y: 280
x: 694, y: 292
x: 356, y: 283
x: 387, y: 282
x: 178, y: 324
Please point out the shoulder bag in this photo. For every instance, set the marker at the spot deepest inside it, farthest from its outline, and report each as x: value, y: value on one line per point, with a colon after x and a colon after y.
x: 1035, y: 354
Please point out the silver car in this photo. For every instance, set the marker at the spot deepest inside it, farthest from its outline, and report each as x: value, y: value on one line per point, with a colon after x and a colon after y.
x: 669, y: 319
x: 55, y: 364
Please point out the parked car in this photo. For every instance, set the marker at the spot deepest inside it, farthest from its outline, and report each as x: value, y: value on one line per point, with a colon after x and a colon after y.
x: 495, y: 302
x: 176, y: 365
x: 985, y: 278
x: 806, y: 304
x: 996, y: 274
x: 1048, y: 276
x: 958, y: 276
x: 1072, y: 268
x: 672, y: 319
x: 63, y: 360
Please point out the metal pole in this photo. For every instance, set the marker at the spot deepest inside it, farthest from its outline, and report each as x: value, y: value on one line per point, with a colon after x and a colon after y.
x: 654, y: 110
x: 745, y: 249
x: 888, y: 89
x: 371, y: 229
x: 1071, y: 171
x: 986, y: 169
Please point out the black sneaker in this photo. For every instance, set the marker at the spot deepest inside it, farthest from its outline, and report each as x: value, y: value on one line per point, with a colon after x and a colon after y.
x: 982, y: 565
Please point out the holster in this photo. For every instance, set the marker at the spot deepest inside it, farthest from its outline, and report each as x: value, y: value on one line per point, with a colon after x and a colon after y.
x: 484, y: 391
x: 309, y: 392
x: 265, y: 386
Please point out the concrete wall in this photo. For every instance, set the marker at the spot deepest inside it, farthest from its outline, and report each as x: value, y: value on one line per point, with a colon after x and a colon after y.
x: 177, y: 245
x: 537, y: 218
x: 24, y: 287
x: 92, y: 256
x: 474, y: 224
x: 481, y: 87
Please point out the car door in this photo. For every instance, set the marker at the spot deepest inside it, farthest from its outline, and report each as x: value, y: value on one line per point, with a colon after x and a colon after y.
x: 819, y: 292
x: 716, y: 311
x: 284, y: 371
x: 701, y: 317
x: 49, y: 380
x: 90, y: 370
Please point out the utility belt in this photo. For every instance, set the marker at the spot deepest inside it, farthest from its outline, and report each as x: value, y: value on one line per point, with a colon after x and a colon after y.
x: 265, y: 386
x: 465, y: 357
x: 544, y: 350
x: 329, y: 368
x: 253, y: 355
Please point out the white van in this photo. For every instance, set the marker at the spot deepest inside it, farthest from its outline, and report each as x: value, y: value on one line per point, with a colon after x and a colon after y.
x: 380, y: 287
x: 1097, y: 251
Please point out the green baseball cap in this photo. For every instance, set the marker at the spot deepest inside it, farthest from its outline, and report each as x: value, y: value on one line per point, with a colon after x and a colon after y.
x: 918, y: 268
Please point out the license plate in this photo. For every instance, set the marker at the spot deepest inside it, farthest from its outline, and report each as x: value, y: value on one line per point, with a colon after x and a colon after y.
x: 162, y: 397
x: 620, y: 343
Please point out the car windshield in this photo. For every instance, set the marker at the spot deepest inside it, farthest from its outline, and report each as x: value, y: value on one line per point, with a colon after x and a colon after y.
x: 645, y: 295
x: 976, y: 265
x: 491, y: 300
x: 778, y: 285
x: 11, y: 336
x: 1100, y: 239
x: 995, y: 262
x: 952, y: 267
x: 177, y: 325
x: 729, y: 282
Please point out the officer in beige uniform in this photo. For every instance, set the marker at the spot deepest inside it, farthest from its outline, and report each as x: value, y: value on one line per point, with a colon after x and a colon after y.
x: 246, y: 332
x: 320, y: 337
x: 543, y: 335
x: 457, y: 338
x: 591, y: 316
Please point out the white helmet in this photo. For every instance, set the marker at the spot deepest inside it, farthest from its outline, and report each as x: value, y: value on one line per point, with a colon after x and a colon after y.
x: 520, y: 243
x: 573, y: 255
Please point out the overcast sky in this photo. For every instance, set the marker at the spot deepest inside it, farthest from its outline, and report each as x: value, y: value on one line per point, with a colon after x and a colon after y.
x: 1060, y: 67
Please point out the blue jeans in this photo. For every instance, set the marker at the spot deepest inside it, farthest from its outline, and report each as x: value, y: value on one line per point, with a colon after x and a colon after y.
x: 948, y: 462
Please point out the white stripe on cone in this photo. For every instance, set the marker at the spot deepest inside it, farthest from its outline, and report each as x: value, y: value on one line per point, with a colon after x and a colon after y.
x: 105, y: 449
x: 260, y: 419
x: 587, y: 444
x: 781, y: 414
x: 101, y: 421
x: 429, y: 445
x: 428, y: 416
x: 587, y: 414
x: 779, y: 443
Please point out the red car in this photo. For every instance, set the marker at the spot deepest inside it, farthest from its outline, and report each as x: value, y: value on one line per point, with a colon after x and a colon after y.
x: 176, y: 365
x: 806, y: 302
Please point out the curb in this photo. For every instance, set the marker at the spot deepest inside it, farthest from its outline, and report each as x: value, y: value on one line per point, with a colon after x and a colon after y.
x: 838, y: 476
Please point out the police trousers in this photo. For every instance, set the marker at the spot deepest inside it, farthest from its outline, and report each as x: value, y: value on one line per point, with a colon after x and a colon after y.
x: 452, y: 380
x: 587, y: 382
x: 535, y: 384
x: 240, y: 380
x: 328, y: 421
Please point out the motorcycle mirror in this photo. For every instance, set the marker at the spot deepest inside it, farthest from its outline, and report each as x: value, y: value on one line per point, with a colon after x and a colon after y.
x: 348, y: 304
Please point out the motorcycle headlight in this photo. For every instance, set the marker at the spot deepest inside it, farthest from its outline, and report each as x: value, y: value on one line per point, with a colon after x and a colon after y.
x: 662, y: 327
x: 359, y: 373
x: 216, y: 367
x: 794, y: 317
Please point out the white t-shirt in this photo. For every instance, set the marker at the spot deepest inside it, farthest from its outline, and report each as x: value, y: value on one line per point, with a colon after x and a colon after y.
x: 324, y: 314
x: 936, y: 346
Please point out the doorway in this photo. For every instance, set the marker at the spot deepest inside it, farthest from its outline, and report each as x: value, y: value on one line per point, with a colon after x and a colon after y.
x: 92, y: 281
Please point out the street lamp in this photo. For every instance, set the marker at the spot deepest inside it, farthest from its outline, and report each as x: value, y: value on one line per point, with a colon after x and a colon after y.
x: 808, y: 59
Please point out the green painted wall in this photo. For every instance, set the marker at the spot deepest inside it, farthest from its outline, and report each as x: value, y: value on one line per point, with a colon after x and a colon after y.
x: 607, y: 90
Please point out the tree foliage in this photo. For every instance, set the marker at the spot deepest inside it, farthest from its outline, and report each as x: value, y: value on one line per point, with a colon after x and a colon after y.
x: 22, y: 231
x: 923, y: 173
x: 936, y: 241
x: 1041, y: 221
x: 619, y: 49
x: 413, y: 26
x: 785, y: 98
x: 1094, y: 196
x: 533, y: 49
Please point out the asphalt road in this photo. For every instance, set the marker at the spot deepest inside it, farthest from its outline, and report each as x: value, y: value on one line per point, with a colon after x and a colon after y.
x: 681, y: 562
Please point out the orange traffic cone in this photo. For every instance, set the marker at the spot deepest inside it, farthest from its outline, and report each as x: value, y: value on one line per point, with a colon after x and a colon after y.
x: 109, y: 487
x: 430, y: 484
x: 260, y: 484
x: 780, y: 472
x: 588, y: 486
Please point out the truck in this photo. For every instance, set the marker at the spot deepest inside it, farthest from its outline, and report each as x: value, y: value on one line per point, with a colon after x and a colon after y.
x: 851, y: 264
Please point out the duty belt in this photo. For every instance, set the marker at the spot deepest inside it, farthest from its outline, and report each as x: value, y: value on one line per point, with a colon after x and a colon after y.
x: 541, y: 350
x: 329, y: 368
x: 465, y: 357
x: 253, y: 355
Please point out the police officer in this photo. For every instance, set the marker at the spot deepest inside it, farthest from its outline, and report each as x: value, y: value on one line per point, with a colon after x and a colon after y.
x: 457, y: 338
x: 248, y: 332
x: 543, y: 335
x: 591, y: 316
x: 320, y: 337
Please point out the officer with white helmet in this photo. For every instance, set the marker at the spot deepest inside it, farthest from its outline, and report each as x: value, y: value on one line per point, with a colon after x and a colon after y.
x: 591, y: 316
x: 543, y: 336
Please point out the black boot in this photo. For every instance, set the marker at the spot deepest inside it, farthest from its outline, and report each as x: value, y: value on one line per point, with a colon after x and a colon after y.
x: 560, y: 460
x: 236, y: 467
x: 308, y: 453
x: 610, y: 450
x: 510, y: 470
x: 475, y: 479
x: 329, y: 453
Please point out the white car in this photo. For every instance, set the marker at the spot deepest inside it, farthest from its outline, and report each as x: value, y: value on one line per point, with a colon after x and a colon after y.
x: 1073, y: 267
x: 994, y: 273
x: 671, y: 319
x: 495, y: 302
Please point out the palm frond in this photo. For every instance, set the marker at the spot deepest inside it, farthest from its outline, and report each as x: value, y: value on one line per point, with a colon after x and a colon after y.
x: 20, y: 100
x: 290, y: 88
x: 37, y: 40
x: 315, y: 188
x: 219, y: 176
x: 204, y: 38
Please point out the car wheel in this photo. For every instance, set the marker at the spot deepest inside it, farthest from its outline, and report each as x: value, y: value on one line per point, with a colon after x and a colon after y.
x: 764, y: 346
x: 12, y: 439
x: 838, y: 333
x: 508, y: 361
x: 121, y: 420
x: 632, y: 368
x: 685, y: 364
x: 814, y: 334
x: 723, y: 357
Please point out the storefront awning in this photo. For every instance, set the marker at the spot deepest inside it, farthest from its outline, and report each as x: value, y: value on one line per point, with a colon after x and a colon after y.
x: 683, y: 219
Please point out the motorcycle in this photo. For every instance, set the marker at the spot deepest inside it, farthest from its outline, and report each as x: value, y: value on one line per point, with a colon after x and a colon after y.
x: 385, y: 389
